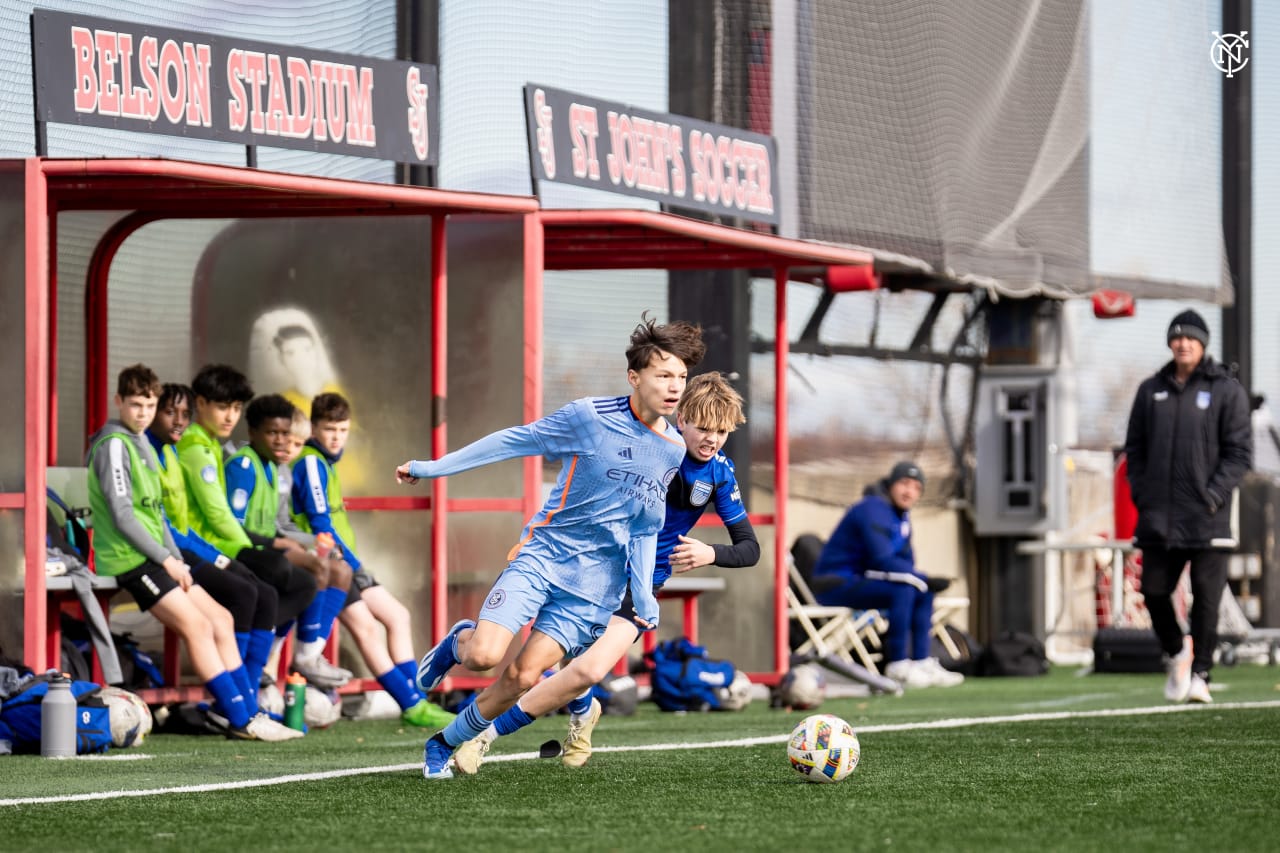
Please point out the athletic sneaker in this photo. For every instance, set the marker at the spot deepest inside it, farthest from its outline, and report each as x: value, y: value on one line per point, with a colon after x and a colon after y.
x: 468, y: 757
x: 938, y: 674
x: 1198, y: 691
x: 435, y: 664
x: 1178, y: 684
x: 910, y: 674
x: 577, y: 744
x: 435, y: 759
x: 320, y: 673
x: 427, y: 714
x: 220, y: 724
x: 266, y: 729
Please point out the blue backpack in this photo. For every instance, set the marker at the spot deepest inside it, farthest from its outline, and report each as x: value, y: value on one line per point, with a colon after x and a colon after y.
x: 685, y: 679
x: 20, y: 717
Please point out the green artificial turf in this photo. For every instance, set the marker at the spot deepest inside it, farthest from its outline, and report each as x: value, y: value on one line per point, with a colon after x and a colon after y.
x: 1206, y: 778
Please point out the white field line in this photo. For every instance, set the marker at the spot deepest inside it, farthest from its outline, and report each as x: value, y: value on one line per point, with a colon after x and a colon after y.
x: 959, y: 722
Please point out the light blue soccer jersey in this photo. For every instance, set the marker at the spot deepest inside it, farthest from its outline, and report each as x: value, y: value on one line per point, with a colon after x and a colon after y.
x: 607, y: 506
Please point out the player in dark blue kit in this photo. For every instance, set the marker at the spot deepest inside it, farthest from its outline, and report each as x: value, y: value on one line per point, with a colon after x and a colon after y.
x: 709, y: 410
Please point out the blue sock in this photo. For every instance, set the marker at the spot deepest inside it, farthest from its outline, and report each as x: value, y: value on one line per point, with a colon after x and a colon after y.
x: 255, y: 659
x: 580, y: 705
x: 465, y: 726
x: 513, y: 719
x: 229, y: 698
x: 248, y: 688
x: 410, y: 670
x: 334, y: 600
x: 309, y: 620
x: 242, y: 643
x: 401, y: 688
x: 283, y: 629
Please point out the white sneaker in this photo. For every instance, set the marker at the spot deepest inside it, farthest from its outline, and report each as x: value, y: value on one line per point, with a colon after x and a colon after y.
x: 939, y: 674
x: 468, y: 757
x: 266, y: 729
x: 1178, y: 684
x: 320, y: 673
x: 909, y: 674
x: 1198, y: 691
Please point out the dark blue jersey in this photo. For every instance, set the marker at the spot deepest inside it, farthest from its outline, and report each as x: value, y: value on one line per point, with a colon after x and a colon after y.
x: 696, y: 486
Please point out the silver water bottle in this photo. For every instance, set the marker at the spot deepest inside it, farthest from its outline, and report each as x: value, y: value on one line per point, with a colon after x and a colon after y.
x: 58, y: 719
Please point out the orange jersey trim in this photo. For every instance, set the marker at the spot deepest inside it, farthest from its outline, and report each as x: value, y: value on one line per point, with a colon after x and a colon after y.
x: 564, y: 496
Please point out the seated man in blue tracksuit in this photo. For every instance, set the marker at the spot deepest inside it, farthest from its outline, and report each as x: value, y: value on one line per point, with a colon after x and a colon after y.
x: 868, y: 563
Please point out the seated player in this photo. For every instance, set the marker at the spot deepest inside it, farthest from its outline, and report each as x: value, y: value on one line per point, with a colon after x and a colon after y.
x: 133, y: 544
x: 369, y: 608
x: 252, y: 475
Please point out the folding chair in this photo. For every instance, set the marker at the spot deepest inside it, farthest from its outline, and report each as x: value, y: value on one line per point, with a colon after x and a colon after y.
x: 842, y: 631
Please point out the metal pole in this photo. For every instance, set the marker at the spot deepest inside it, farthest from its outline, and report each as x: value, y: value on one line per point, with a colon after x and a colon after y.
x: 1237, y: 197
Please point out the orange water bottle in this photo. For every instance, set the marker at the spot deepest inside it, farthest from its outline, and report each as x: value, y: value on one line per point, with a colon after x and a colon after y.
x: 324, y: 544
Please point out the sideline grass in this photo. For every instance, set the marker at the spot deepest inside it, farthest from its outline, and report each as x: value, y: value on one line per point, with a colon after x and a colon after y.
x: 1205, y: 778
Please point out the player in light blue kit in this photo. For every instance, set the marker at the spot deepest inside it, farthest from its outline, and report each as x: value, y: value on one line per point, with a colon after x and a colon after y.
x: 570, y: 569
x: 709, y: 410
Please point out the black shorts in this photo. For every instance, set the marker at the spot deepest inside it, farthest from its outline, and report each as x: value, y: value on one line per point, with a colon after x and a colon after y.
x: 148, y: 583
x: 360, y: 581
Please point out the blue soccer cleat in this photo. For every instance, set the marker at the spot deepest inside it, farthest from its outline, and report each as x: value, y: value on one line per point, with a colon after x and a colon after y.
x: 436, y: 663
x: 435, y: 759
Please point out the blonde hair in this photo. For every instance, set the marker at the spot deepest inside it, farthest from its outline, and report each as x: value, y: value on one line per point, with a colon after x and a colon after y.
x: 710, y: 402
x: 300, y: 426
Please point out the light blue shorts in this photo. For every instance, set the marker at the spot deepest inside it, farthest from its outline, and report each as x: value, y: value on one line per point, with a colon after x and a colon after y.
x: 521, y: 593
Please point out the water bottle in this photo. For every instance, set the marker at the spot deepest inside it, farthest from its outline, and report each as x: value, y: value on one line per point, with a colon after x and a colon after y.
x: 295, y: 702
x: 58, y: 719
x: 324, y: 544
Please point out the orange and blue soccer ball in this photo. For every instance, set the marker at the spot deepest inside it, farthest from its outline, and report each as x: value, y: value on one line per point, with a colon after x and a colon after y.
x: 823, y: 748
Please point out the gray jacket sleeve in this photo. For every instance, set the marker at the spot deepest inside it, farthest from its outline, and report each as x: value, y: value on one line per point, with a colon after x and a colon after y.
x: 111, y: 467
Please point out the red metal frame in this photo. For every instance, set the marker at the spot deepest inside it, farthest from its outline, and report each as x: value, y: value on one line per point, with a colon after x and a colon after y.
x: 638, y: 239
x: 553, y: 239
x: 159, y: 189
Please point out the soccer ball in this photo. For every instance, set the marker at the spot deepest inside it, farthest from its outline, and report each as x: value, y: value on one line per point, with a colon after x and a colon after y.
x: 823, y: 748
x: 130, y: 717
x: 737, y: 695
x: 803, y: 687
x: 322, y: 708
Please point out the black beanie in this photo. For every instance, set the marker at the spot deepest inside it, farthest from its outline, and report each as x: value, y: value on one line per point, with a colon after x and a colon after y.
x: 1189, y: 324
x: 906, y: 471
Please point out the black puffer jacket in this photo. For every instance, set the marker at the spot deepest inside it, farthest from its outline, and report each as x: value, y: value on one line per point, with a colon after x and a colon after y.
x: 1187, y: 449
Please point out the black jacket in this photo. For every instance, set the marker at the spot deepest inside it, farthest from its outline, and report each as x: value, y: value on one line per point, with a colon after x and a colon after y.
x: 1187, y: 449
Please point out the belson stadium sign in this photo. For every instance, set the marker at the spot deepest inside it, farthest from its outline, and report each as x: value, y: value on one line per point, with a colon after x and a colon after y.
x: 157, y: 80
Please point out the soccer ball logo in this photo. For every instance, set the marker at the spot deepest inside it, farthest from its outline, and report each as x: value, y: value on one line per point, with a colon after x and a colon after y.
x: 823, y: 748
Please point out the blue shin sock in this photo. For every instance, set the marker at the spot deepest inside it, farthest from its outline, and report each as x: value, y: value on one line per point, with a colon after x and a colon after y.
x: 580, y: 705
x: 410, y: 670
x: 511, y: 720
x: 255, y: 659
x: 248, y: 688
x: 401, y: 687
x: 467, y: 725
x: 333, y: 601
x: 229, y: 698
x: 242, y: 643
x: 309, y: 620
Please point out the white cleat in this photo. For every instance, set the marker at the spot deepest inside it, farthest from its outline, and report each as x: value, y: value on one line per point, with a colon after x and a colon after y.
x: 577, y: 744
x: 468, y: 757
